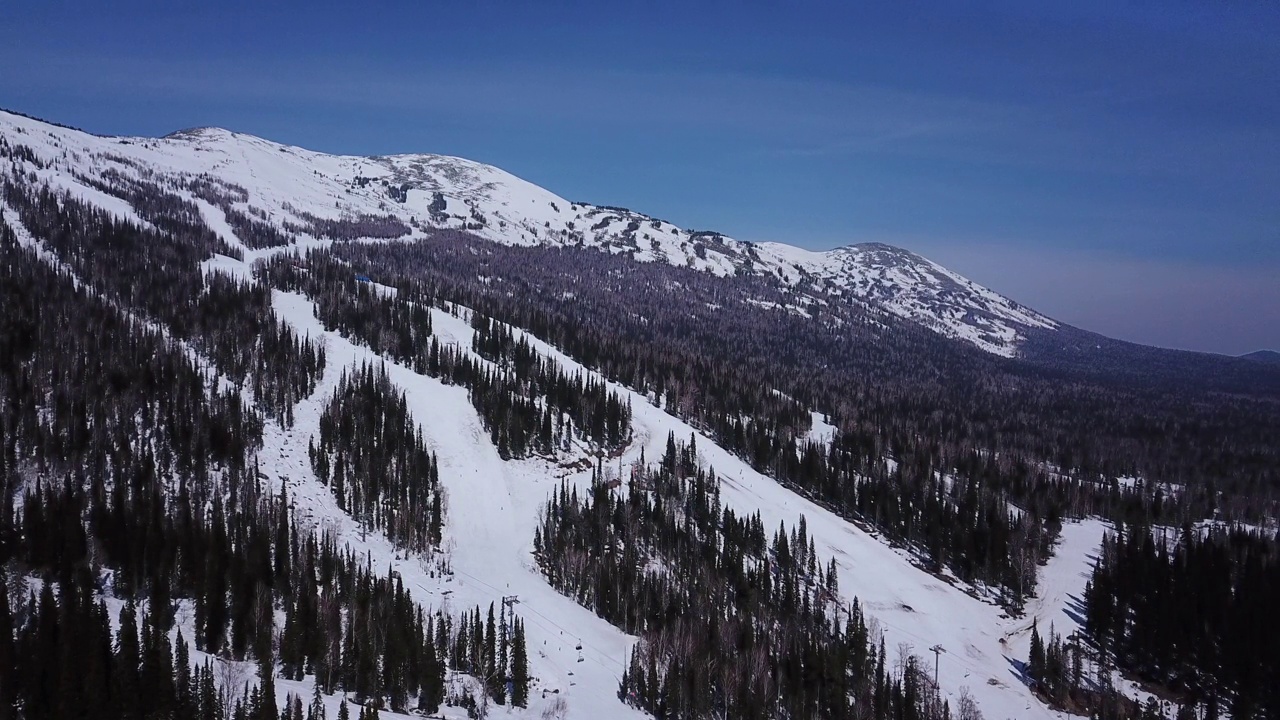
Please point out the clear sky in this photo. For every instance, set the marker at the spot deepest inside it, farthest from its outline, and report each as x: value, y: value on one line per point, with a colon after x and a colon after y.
x: 1114, y: 165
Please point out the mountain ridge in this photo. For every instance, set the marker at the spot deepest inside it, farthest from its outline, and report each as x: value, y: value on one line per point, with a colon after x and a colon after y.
x: 430, y: 191
x: 1266, y: 356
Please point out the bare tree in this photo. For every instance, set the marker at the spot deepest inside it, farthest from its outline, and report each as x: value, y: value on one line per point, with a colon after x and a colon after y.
x: 231, y: 679
x: 966, y: 706
x: 905, y: 659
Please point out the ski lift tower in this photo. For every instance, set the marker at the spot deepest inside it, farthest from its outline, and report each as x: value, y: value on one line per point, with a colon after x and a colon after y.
x: 509, y: 602
x: 937, y: 652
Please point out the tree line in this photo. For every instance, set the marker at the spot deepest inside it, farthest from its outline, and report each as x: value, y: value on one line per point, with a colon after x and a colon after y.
x: 1193, y: 612
x: 724, y: 382
x: 372, y: 456
x: 528, y: 402
x: 715, y: 349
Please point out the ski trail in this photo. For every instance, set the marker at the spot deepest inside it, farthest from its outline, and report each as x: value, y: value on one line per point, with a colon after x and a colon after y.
x: 492, y: 509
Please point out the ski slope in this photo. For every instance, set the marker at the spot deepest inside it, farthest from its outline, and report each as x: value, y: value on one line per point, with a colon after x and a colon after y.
x: 493, y: 506
x: 491, y: 512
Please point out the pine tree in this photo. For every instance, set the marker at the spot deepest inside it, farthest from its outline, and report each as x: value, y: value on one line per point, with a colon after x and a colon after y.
x: 431, y: 686
x: 184, y: 684
x: 267, y: 681
x: 1036, y: 663
x: 495, y: 676
x: 316, y: 710
x: 8, y: 666
x: 519, y: 668
x: 211, y: 707
x: 127, y: 689
x: 157, y: 670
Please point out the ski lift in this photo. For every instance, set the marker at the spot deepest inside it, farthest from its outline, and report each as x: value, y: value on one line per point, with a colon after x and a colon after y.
x: 579, y: 649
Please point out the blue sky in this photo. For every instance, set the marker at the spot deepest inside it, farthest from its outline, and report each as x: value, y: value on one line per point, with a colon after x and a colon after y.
x: 1114, y: 165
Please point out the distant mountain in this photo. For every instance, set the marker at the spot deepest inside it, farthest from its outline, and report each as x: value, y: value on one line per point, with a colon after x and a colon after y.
x: 1266, y: 356
x: 290, y: 188
x: 256, y: 193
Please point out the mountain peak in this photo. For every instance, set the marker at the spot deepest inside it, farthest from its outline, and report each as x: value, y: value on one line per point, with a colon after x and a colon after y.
x: 204, y: 131
x: 883, y: 253
x: 874, y: 245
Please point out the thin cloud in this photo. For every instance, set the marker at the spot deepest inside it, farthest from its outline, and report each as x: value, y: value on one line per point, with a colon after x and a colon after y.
x: 776, y: 117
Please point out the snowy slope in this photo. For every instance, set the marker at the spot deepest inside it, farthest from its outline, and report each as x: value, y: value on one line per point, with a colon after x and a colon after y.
x: 490, y: 517
x: 492, y: 505
x: 437, y: 191
x: 911, y: 606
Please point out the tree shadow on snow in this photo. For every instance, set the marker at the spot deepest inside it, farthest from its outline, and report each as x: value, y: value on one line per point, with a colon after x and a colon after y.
x: 1018, y: 669
x: 1075, y: 609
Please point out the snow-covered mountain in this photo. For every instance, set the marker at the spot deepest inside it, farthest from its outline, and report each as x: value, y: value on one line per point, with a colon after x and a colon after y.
x: 493, y: 504
x: 283, y: 184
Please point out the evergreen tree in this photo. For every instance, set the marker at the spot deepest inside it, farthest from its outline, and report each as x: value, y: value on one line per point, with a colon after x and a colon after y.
x: 316, y: 710
x: 266, y: 708
x: 519, y: 668
x: 127, y: 686
x: 8, y: 664
x: 1035, y: 666
x: 495, y: 674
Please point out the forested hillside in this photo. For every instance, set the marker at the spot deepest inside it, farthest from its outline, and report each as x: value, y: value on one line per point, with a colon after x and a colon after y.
x: 263, y: 457
x: 130, y: 475
x: 1193, y: 611
x: 721, y: 349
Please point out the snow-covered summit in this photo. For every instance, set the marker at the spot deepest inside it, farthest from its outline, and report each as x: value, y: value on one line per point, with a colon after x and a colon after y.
x: 919, y: 289
x: 285, y: 184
